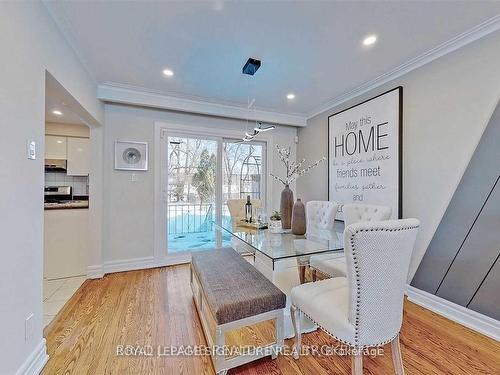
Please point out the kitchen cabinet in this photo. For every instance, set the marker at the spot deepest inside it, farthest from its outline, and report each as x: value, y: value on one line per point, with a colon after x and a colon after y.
x: 66, y: 243
x: 55, y: 147
x: 78, y: 152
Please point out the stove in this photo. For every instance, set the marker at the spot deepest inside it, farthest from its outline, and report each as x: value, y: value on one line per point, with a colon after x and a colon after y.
x: 57, y: 194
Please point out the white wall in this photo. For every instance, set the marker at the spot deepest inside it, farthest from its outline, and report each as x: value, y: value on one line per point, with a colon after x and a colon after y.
x: 447, y: 105
x: 129, y: 206
x: 31, y: 44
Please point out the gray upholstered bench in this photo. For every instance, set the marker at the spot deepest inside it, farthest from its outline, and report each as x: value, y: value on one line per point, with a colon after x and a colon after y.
x: 230, y: 294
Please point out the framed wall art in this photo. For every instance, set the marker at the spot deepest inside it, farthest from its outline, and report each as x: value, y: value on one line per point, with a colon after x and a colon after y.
x: 365, y: 153
x: 131, y: 156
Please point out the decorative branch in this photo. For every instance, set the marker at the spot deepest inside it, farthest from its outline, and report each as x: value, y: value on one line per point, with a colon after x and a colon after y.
x: 297, y: 166
x: 305, y: 170
x: 278, y: 178
x: 293, y: 170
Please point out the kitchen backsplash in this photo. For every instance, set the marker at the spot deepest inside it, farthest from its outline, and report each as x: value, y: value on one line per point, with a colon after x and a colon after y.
x: 80, y: 184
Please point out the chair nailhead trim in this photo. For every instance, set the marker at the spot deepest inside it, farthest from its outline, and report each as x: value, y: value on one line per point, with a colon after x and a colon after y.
x: 358, y: 292
x: 343, y: 341
x: 358, y: 284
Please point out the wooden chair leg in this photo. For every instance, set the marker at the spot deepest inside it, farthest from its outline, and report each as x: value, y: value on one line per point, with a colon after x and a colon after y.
x: 396, y: 356
x: 302, y: 273
x: 313, y: 274
x: 296, y: 316
x: 357, y: 363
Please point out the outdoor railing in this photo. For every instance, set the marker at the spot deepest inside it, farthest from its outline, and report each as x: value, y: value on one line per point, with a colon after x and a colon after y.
x: 190, y: 218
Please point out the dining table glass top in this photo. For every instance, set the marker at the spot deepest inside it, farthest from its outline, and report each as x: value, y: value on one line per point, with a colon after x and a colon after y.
x: 278, y: 246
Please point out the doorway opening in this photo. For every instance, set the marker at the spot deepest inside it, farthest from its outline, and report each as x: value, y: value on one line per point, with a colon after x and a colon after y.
x: 66, y: 198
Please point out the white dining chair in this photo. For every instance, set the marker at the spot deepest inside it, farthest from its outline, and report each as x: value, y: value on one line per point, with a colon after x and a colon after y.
x: 364, y: 309
x: 321, y: 214
x: 236, y: 209
x: 356, y: 213
x: 335, y: 265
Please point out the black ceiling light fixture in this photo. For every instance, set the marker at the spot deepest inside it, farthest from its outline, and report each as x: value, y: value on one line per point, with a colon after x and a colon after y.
x: 251, y: 66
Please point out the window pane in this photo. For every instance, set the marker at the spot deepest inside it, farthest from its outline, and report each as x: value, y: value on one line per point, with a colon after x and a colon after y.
x: 243, y: 171
x: 192, y: 179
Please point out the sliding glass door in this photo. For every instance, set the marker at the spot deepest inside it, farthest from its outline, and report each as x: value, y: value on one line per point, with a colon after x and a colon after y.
x: 202, y: 174
x: 191, y: 198
x: 243, y: 171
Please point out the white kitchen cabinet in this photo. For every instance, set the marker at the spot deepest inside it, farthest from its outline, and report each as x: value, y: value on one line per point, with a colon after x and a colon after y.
x: 66, y: 243
x: 55, y: 147
x: 78, y: 156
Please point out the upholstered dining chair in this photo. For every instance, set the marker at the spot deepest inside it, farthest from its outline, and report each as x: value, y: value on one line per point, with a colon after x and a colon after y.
x: 335, y: 265
x: 355, y: 213
x: 321, y: 214
x: 237, y: 207
x: 364, y: 309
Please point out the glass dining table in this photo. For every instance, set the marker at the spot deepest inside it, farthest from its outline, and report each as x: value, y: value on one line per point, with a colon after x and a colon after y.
x: 283, y: 257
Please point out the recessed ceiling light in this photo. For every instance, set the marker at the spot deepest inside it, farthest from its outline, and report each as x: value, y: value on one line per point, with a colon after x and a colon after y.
x: 57, y: 112
x: 290, y: 96
x: 168, y: 72
x: 369, y: 40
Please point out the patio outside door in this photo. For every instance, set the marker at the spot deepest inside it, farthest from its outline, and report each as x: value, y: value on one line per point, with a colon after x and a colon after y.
x: 192, y: 193
x: 202, y: 172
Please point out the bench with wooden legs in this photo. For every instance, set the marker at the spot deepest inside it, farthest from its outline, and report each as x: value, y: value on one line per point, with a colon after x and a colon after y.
x: 235, y: 303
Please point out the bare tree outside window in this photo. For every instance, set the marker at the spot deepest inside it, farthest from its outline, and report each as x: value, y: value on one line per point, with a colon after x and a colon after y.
x: 192, y: 185
x: 184, y: 157
x: 242, y: 170
x: 205, y: 177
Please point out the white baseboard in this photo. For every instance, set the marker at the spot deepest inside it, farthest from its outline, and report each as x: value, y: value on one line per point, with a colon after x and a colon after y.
x: 35, y: 362
x: 173, y: 260
x: 129, y: 264
x: 95, y: 271
x: 98, y: 271
x: 462, y: 315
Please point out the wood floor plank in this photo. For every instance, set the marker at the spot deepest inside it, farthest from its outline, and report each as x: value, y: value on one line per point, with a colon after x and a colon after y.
x: 154, y: 309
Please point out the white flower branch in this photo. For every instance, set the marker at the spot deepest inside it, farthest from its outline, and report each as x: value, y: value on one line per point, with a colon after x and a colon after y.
x: 278, y: 178
x: 293, y: 170
x: 296, y: 167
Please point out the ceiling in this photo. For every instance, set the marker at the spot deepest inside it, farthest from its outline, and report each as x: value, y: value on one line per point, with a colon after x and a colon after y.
x: 67, y: 117
x: 57, y: 98
x: 313, y: 49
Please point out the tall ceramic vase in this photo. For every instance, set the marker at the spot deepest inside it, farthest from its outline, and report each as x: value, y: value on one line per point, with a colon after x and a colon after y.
x: 299, y: 218
x: 286, y: 207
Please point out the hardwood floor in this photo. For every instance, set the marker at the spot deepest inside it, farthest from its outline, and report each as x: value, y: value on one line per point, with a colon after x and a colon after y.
x: 155, y: 308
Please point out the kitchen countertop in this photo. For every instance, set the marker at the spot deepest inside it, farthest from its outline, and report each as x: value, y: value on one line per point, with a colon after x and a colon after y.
x: 74, y: 204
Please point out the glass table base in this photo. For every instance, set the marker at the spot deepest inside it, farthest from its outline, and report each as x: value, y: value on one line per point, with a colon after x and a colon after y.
x: 285, y: 277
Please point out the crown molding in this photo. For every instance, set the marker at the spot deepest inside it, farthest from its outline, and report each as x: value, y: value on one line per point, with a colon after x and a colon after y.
x: 118, y: 93
x: 477, y: 32
x: 62, y: 26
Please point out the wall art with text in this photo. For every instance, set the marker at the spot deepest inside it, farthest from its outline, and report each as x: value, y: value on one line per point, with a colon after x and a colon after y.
x: 365, y: 152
